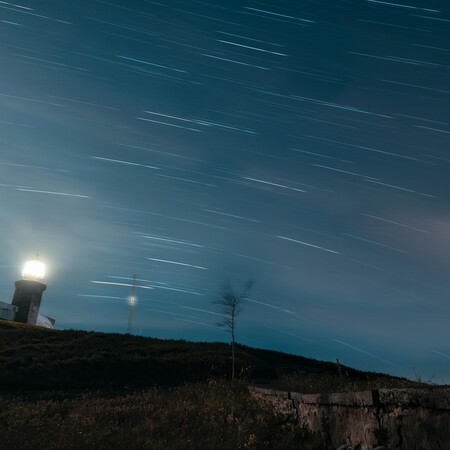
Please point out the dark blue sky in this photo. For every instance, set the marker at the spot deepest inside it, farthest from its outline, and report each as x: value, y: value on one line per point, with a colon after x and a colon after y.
x: 304, y: 144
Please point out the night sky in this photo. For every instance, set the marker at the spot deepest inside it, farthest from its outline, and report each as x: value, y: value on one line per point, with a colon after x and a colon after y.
x: 303, y: 144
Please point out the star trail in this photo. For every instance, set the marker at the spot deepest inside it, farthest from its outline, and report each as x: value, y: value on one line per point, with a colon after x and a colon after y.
x: 303, y: 144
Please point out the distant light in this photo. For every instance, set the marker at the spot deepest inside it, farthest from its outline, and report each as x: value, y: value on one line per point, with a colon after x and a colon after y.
x: 33, y: 270
x: 132, y: 300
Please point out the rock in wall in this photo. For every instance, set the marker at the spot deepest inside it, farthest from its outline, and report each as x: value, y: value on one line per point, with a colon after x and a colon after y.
x: 400, y: 419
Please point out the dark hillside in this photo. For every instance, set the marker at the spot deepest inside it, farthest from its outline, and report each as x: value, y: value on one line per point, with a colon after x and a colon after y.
x: 76, y: 389
x: 33, y: 358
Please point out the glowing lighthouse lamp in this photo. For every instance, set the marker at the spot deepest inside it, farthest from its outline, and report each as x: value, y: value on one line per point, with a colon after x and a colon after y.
x: 33, y: 270
x: 28, y: 293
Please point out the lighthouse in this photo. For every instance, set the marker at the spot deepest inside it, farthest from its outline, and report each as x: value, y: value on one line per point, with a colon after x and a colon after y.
x: 28, y: 294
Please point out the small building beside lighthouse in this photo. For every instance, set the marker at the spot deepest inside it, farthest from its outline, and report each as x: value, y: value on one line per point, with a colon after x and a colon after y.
x: 7, y: 311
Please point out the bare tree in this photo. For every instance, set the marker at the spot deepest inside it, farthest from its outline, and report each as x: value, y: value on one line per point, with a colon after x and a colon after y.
x: 231, y: 302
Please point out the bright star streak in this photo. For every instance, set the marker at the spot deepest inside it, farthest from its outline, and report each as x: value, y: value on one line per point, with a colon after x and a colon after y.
x: 178, y: 263
x: 64, y: 194
x: 353, y: 347
x: 120, y: 284
x: 308, y: 245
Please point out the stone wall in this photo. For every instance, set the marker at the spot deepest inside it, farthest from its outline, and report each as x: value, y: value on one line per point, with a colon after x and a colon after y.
x: 400, y: 419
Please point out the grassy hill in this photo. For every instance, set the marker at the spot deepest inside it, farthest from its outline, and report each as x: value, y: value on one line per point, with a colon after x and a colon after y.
x: 38, y: 358
x: 77, y: 390
x: 33, y: 358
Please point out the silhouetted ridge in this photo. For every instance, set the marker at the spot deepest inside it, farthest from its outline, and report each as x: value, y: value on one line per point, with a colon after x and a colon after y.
x: 33, y: 358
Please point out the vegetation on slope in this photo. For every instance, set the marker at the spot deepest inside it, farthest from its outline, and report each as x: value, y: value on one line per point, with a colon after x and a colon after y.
x: 74, y: 389
x: 326, y: 383
x: 214, y: 415
x: 38, y: 358
x: 33, y: 358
